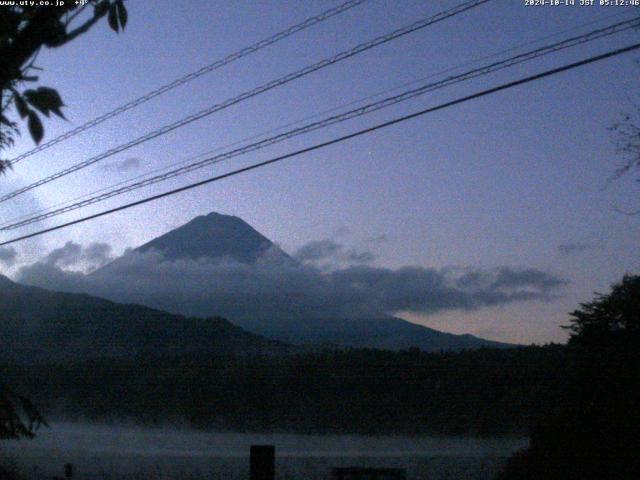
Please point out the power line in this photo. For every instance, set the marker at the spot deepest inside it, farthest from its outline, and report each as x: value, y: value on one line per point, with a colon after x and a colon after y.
x: 319, y: 146
x: 369, y: 108
x: 309, y: 117
x: 309, y: 22
x: 256, y: 91
x: 299, y: 121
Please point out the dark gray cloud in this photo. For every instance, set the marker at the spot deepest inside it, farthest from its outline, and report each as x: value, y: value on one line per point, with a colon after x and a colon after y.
x: 8, y: 255
x: 330, y: 255
x: 343, y: 231
x: 382, y: 238
x: 126, y: 165
x: 65, y: 256
x: 567, y: 249
x: 97, y: 253
x: 507, y: 279
x: 73, y: 254
x: 318, y: 250
x: 272, y: 287
x: 354, y: 256
x: 510, y: 279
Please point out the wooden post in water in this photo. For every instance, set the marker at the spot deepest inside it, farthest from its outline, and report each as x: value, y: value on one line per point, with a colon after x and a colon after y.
x: 68, y: 472
x: 263, y: 462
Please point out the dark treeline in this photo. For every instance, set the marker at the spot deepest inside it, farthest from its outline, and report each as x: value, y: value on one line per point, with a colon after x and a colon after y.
x: 590, y: 428
x: 486, y: 391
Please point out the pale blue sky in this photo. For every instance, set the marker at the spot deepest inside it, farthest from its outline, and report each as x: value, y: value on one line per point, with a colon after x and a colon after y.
x: 503, y: 180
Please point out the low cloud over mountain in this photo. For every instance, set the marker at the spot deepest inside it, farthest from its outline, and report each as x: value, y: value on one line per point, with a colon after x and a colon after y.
x: 8, y: 256
x: 231, y: 288
x: 220, y: 265
x: 328, y: 255
x: 75, y: 256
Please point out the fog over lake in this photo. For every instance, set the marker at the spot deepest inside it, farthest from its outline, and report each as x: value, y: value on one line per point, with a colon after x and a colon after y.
x: 105, y: 452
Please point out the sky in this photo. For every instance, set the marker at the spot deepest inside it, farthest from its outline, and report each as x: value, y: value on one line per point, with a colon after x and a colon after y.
x: 517, y: 179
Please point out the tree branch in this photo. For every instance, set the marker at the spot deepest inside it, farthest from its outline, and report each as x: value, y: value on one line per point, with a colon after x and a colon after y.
x: 81, y: 29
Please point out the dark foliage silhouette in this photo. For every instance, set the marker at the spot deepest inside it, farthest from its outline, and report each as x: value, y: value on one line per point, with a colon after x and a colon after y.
x: 590, y: 427
x: 627, y: 140
x: 483, y: 391
x: 609, y: 319
x: 19, y: 418
x: 24, y: 31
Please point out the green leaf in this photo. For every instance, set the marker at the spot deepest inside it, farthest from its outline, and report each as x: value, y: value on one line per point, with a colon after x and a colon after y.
x: 35, y: 127
x: 123, y: 16
x: 21, y: 105
x: 113, y: 18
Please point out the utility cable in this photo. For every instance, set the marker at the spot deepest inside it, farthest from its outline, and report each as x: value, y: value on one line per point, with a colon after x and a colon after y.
x: 310, y: 117
x: 309, y: 22
x: 319, y: 146
x: 372, y: 107
x: 252, y: 93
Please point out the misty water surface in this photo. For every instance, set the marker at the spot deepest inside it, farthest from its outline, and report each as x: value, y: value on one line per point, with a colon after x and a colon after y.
x: 99, y: 451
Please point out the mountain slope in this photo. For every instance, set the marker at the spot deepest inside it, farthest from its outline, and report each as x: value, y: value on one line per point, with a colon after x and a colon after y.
x: 388, y: 333
x: 38, y: 325
x: 213, y: 235
x: 216, y: 236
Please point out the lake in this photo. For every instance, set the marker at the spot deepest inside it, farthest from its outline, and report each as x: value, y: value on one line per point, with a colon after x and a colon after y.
x: 128, y: 452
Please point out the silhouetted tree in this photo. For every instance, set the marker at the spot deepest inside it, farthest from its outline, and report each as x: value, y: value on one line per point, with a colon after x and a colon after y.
x: 18, y: 416
x: 628, y: 141
x: 590, y: 429
x: 24, y: 31
x: 609, y: 318
x: 627, y: 132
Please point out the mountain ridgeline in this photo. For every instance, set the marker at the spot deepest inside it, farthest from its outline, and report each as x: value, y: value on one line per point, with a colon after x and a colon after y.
x: 212, y: 236
x: 39, y: 326
x: 217, y: 236
x: 82, y: 356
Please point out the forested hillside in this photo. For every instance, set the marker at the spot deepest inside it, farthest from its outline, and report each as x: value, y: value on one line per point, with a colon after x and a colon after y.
x: 41, y: 326
x: 487, y: 391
